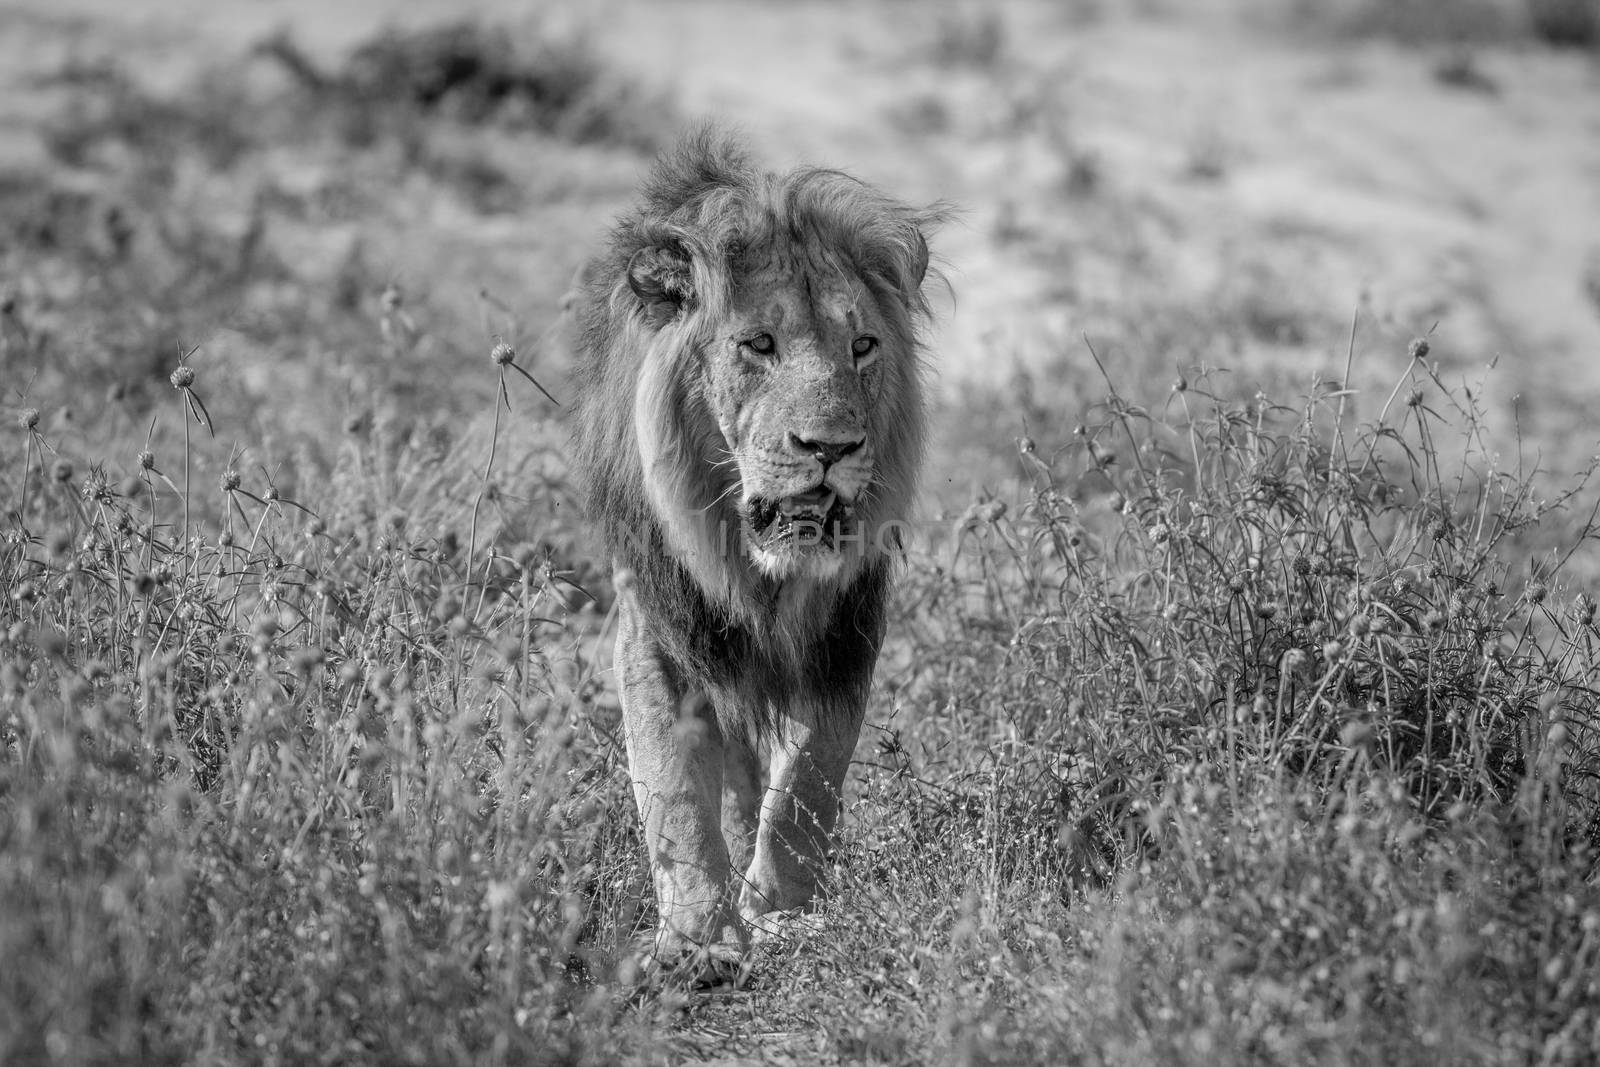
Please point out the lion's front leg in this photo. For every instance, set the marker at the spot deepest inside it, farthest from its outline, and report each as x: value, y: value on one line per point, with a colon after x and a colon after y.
x: 804, y: 785
x: 675, y: 761
x: 743, y: 785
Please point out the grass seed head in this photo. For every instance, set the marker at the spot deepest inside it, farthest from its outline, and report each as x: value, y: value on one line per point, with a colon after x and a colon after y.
x: 99, y: 488
x: 183, y: 377
x: 502, y: 354
x: 1419, y: 348
x: 30, y: 419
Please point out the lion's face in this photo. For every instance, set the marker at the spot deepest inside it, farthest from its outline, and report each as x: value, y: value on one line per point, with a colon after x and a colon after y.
x: 764, y: 329
x: 792, y: 379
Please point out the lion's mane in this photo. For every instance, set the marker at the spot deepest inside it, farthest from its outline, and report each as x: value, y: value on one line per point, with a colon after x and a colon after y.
x: 729, y: 629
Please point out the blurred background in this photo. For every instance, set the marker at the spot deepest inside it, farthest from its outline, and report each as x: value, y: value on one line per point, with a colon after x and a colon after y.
x: 342, y: 205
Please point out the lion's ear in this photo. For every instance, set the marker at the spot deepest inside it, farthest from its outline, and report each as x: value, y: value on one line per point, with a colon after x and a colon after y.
x: 661, y: 278
x: 902, y: 262
x: 919, y: 259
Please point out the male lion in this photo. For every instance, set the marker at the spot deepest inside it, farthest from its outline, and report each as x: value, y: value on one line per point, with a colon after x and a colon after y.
x: 749, y: 428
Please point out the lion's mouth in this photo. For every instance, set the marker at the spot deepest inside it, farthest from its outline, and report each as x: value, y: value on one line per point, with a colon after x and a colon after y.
x: 814, y: 519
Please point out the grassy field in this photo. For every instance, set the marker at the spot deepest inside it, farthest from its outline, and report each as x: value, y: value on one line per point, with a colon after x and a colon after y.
x: 1241, y: 698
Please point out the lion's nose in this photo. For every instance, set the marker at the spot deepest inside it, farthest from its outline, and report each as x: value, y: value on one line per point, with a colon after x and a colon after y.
x: 826, y: 452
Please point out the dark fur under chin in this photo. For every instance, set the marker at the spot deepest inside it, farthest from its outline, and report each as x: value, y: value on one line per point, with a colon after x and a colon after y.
x: 743, y: 664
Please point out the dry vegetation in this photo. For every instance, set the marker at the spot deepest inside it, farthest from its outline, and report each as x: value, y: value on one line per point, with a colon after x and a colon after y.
x: 1222, y: 728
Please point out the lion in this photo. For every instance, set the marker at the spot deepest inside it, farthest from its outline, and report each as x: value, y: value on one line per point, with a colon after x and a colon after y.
x: 748, y: 431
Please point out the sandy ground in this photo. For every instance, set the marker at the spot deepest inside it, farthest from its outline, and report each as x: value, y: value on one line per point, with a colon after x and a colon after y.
x: 1344, y: 174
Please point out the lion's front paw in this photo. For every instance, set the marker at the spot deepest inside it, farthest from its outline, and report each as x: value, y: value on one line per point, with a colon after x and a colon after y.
x: 780, y: 926
x: 672, y: 961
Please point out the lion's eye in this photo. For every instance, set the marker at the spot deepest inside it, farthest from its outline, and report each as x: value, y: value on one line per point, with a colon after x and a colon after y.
x: 862, y: 347
x: 762, y: 344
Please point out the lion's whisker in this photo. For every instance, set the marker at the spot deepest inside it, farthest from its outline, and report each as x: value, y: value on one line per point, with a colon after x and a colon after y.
x: 724, y: 495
